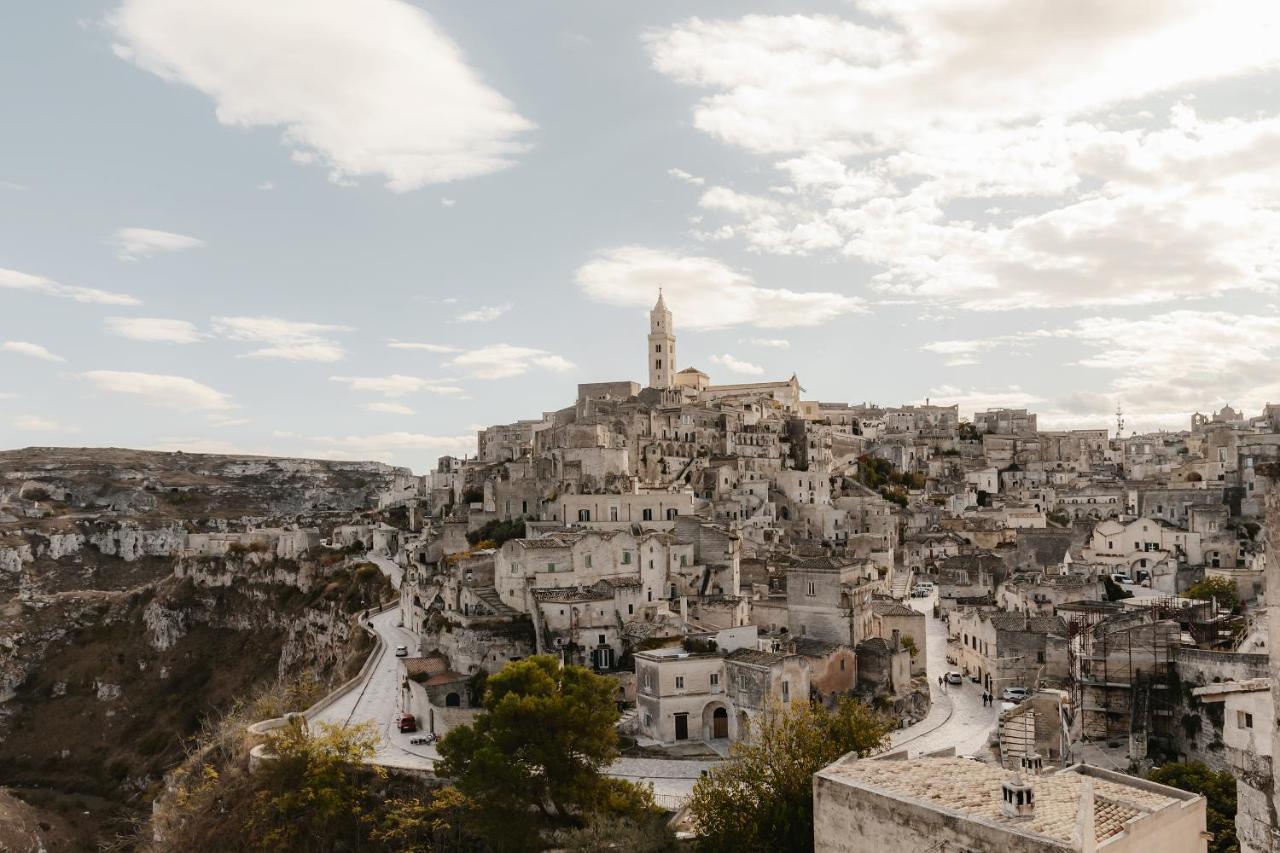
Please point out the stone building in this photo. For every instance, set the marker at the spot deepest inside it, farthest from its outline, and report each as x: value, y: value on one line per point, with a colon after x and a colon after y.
x: 1009, y: 649
x: 950, y: 805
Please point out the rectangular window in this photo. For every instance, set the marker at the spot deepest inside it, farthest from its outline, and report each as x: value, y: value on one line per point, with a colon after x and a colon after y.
x: 587, y: 561
x: 684, y: 560
x: 679, y: 682
x: 626, y: 558
x: 1244, y: 720
x: 812, y: 589
x: 551, y: 567
x: 631, y: 608
x: 601, y: 636
x: 646, y: 515
x: 786, y: 691
x: 613, y: 513
x: 715, y: 679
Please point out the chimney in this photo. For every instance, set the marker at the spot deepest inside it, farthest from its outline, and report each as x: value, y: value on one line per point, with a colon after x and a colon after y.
x: 1085, y: 836
x: 1032, y: 764
x: 1017, y: 798
x: 896, y: 642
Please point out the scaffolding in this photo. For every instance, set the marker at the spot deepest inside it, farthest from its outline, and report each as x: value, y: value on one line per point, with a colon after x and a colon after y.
x: 1122, y: 677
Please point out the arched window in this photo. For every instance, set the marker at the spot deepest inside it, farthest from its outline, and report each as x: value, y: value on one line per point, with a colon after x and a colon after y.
x: 453, y: 700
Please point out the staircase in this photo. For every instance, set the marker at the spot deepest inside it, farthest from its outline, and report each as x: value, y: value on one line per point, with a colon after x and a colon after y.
x: 901, y: 585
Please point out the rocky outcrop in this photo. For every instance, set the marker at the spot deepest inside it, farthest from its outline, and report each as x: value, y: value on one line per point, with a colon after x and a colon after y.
x: 129, y: 542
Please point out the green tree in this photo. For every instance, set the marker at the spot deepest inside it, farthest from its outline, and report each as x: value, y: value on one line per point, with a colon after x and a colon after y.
x: 1221, y: 590
x: 1113, y: 590
x: 310, y: 793
x: 538, y: 748
x: 1219, y: 790
x: 762, y: 799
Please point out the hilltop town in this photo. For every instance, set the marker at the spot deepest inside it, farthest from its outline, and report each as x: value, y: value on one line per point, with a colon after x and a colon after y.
x: 1044, y: 617
x: 1010, y: 594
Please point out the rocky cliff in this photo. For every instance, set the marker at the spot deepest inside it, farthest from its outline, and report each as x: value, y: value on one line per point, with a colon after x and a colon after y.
x: 119, y: 639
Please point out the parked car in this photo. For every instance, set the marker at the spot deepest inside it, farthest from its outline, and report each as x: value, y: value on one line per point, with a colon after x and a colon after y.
x: 1014, y: 694
x: 408, y: 723
x: 951, y: 659
x: 402, y: 651
x: 1121, y: 579
x: 954, y: 677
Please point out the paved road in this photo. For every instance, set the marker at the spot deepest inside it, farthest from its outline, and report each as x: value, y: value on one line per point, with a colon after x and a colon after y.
x: 377, y: 700
x: 958, y: 717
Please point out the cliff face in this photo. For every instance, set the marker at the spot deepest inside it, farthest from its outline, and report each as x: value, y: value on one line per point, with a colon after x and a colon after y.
x: 120, y: 633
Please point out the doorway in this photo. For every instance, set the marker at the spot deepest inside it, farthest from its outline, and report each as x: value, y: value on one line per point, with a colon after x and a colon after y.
x: 720, y: 724
x: 682, y: 726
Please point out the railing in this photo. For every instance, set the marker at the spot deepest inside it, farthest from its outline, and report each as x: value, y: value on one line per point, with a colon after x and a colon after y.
x: 670, y: 802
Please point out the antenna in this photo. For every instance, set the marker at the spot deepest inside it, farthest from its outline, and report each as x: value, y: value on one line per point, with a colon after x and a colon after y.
x: 1119, y: 421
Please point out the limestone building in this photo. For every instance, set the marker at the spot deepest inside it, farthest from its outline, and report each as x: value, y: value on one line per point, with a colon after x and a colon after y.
x: 950, y: 805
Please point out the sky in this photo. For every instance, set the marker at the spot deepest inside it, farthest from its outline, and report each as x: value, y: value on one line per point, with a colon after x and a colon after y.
x: 362, y: 229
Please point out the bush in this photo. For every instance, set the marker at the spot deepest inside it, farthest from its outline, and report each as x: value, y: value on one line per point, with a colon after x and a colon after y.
x: 494, y: 533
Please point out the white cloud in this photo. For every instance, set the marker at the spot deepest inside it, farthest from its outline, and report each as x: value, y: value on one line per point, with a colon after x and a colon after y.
x: 387, y: 446
x: 134, y: 244
x: 1162, y: 367
x: 682, y: 175
x: 440, y: 348
x: 972, y: 400
x: 771, y: 343
x: 486, y: 314
x: 14, y: 280
x: 363, y: 88
x: 704, y: 293
x: 503, y: 361
x: 737, y: 366
x: 285, y: 339
x: 886, y: 127
x: 175, y: 392
x: 802, y: 83
x: 397, y: 385
x: 35, y: 423
x: 13, y: 186
x: 267, y: 186
x: 30, y: 349
x: 448, y: 202
x: 225, y: 422
x: 389, y: 408
x: 154, y: 329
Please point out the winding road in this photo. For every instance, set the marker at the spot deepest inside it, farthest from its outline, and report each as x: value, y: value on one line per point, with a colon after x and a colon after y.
x: 957, y: 716
x: 377, y: 700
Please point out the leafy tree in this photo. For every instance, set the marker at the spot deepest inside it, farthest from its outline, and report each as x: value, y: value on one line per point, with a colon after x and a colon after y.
x: 909, y: 643
x: 413, y: 823
x: 1113, y: 590
x: 762, y: 799
x: 1219, y: 790
x: 495, y: 532
x: 310, y: 794
x: 1221, y: 590
x: 537, y: 749
x: 643, y: 834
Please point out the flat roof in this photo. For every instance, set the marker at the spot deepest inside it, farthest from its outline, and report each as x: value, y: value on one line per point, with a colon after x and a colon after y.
x: 973, y: 789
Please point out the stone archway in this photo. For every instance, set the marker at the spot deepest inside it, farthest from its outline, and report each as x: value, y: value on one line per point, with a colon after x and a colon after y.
x: 715, y: 721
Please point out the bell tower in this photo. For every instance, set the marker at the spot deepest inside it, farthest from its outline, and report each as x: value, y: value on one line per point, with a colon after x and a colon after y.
x: 662, y: 346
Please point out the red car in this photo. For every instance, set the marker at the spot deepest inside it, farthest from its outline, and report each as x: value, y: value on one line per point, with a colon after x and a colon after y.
x: 408, y: 723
